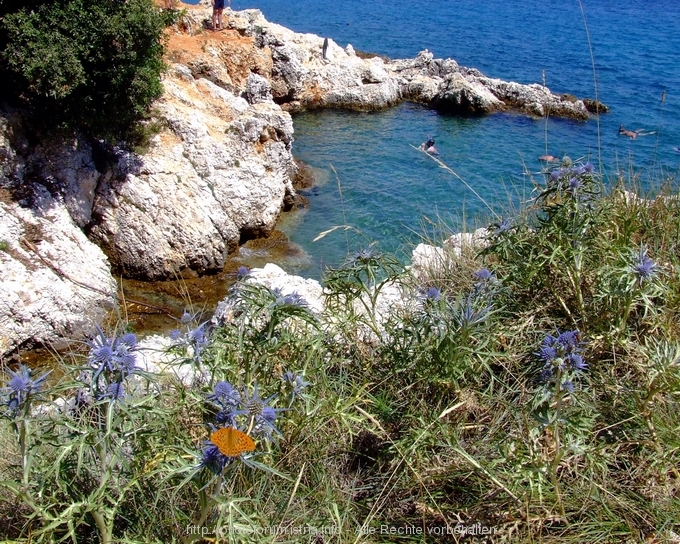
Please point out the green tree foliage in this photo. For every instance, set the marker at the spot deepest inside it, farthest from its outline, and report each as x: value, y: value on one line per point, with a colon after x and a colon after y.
x: 88, y: 65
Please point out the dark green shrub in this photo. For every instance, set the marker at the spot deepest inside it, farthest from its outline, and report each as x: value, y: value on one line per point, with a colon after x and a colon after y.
x: 81, y: 64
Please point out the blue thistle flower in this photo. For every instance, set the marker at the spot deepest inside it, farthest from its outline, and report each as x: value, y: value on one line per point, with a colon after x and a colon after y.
x: 568, y: 386
x: 295, y: 383
x: 484, y: 274
x: 20, y: 383
x: 227, y: 398
x: 547, y: 354
x: 115, y: 392
x: 102, y: 355
x: 575, y: 184
x: 20, y: 388
x: 558, y: 174
x: 213, y: 459
x: 197, y: 340
x: 242, y: 273
x: 269, y: 415
x: 576, y: 362
x: 568, y: 340
x: 546, y: 375
x: 187, y: 317
x: 294, y: 299
x: 129, y: 339
x: 112, y: 354
x: 504, y: 226
x: 363, y: 255
x: 225, y: 395
x: 643, y: 268
x: 126, y: 362
x: 562, y: 352
x: 431, y: 294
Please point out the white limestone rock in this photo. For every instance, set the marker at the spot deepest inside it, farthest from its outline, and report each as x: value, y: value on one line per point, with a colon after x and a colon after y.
x: 56, y: 284
x: 302, y: 78
x: 220, y: 173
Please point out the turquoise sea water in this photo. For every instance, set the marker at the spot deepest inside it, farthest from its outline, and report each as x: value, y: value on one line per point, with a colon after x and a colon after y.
x: 388, y: 188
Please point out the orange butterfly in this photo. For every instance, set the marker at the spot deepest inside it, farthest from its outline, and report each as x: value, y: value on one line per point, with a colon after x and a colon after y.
x: 232, y: 442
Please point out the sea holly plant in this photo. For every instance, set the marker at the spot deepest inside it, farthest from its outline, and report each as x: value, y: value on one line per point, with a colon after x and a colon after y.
x: 451, y: 332
x: 633, y: 283
x: 567, y: 220
x: 242, y: 424
x: 563, y: 363
x: 640, y: 284
x: 550, y: 249
x: 80, y: 445
x: 264, y: 326
x: 360, y: 280
x: 193, y: 338
x: 17, y: 398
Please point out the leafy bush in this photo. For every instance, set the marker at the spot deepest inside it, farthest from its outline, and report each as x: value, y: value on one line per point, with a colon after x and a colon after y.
x: 82, y: 64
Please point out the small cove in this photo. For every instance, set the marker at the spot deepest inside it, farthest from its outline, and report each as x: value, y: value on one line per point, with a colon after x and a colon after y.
x: 392, y: 194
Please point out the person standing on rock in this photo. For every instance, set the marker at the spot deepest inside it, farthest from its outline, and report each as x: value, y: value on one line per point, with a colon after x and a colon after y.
x: 218, y: 7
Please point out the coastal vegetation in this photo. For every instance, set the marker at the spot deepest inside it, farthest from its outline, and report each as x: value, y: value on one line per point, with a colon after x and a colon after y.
x: 82, y: 65
x: 523, y: 391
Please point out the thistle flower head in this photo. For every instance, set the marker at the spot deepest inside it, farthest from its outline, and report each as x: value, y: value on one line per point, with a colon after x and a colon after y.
x: 113, y: 354
x: 484, y: 274
x: 504, y: 226
x: 294, y: 299
x: 115, y: 392
x: 562, y: 352
x: 574, y: 185
x: 21, y: 387
x: 295, y: 382
x: 568, y: 386
x: 642, y: 267
x: 187, y: 317
x: 431, y: 294
x: 225, y: 395
x: 213, y: 459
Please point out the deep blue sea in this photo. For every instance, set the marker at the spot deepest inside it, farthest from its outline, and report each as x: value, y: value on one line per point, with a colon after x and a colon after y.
x: 370, y: 178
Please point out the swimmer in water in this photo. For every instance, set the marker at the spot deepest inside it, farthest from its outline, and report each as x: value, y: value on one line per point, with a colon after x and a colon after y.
x: 632, y: 135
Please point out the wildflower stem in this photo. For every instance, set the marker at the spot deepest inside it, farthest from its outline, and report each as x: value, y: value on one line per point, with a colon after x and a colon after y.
x: 104, y: 530
x: 23, y: 434
x: 626, y: 314
x: 645, y: 405
x: 558, y: 447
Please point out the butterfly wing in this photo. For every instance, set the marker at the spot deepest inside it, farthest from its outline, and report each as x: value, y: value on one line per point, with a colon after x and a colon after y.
x: 232, y: 442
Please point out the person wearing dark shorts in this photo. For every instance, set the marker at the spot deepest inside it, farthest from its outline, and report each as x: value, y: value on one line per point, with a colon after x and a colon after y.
x: 218, y: 7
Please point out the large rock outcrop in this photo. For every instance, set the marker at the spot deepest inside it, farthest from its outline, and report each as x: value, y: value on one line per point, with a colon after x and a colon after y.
x: 54, y: 282
x: 302, y: 78
x: 219, y: 174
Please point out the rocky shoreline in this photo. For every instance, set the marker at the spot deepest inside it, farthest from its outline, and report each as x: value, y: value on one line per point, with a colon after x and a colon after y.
x: 218, y: 172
